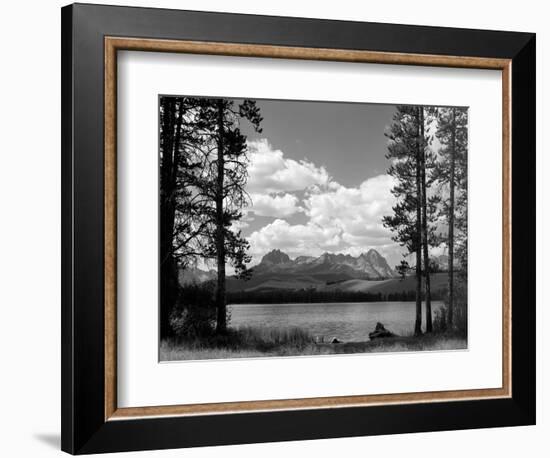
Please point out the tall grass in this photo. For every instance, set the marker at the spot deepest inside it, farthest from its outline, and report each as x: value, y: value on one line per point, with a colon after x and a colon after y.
x: 171, y: 351
x: 425, y: 342
x: 249, y: 342
x: 270, y: 338
x: 244, y: 341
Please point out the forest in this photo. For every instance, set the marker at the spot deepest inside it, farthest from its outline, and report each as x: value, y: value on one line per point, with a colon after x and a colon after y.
x: 204, y: 162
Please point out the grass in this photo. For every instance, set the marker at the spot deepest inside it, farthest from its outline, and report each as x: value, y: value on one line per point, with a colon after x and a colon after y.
x: 249, y: 342
x: 426, y: 342
x: 242, y: 342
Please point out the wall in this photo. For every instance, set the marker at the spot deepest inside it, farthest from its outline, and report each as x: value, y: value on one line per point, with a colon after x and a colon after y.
x: 30, y: 228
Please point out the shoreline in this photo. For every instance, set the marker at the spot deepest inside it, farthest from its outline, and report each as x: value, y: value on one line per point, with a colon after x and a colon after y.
x: 436, y: 301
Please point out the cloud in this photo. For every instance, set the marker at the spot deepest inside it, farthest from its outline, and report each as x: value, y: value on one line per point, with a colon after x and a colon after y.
x: 357, y: 211
x: 294, y: 239
x: 239, y: 225
x: 270, y: 172
x: 278, y: 206
x: 340, y: 219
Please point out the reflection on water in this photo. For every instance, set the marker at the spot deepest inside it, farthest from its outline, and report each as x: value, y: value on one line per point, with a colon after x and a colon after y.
x: 345, y: 321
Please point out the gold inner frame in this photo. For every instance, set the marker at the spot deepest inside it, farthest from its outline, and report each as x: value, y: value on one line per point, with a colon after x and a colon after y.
x: 114, y: 44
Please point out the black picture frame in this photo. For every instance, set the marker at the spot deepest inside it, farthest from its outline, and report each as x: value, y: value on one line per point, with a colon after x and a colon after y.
x: 84, y: 428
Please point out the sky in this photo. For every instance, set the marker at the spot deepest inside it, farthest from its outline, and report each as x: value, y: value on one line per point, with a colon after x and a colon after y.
x: 317, y: 180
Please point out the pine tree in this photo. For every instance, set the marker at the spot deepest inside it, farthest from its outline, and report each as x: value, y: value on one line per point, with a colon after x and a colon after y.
x: 428, y: 203
x: 177, y: 233
x: 451, y: 173
x: 203, y: 160
x: 222, y: 185
x: 404, y: 152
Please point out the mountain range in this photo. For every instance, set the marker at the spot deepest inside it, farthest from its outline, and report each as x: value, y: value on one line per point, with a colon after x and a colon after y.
x: 370, y: 265
x: 277, y: 270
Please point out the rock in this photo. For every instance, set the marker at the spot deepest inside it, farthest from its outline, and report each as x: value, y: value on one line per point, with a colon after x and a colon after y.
x: 335, y: 341
x: 380, y: 332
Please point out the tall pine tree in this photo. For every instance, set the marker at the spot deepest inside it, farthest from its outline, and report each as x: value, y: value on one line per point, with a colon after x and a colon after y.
x: 428, y: 203
x: 203, y: 173
x: 222, y: 185
x: 404, y: 153
x: 451, y: 173
x: 179, y: 231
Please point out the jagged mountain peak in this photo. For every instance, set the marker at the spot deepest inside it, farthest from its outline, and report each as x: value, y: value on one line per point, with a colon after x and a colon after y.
x: 276, y: 268
x: 372, y: 254
x: 275, y: 257
x: 367, y: 265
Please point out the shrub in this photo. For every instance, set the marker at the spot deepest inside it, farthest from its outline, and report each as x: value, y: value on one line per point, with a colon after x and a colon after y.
x: 194, y: 314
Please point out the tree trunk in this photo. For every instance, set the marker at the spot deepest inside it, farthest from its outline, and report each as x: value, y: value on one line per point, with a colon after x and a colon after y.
x: 221, y: 321
x: 167, y: 268
x: 451, y: 222
x: 425, y: 227
x: 418, y: 247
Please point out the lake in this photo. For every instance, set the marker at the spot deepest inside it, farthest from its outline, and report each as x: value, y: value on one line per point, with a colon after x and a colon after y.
x: 347, y: 321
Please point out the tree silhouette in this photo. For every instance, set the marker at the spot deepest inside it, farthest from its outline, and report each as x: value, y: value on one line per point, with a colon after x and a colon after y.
x: 203, y: 161
x: 428, y: 204
x: 451, y: 173
x: 179, y: 234
x: 220, y: 185
x: 404, y: 152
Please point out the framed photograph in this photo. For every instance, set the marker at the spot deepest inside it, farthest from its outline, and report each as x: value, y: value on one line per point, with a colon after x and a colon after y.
x: 281, y: 228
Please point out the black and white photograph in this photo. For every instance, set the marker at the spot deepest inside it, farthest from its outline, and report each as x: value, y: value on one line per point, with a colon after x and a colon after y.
x: 311, y: 228
x: 260, y: 229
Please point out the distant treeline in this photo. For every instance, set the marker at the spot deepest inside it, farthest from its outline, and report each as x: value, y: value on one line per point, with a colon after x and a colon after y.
x: 310, y: 296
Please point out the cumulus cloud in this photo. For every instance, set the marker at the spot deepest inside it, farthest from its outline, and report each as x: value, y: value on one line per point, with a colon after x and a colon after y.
x: 294, y: 239
x: 270, y: 172
x: 340, y: 219
x: 276, y: 205
x: 239, y: 225
x: 357, y: 211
